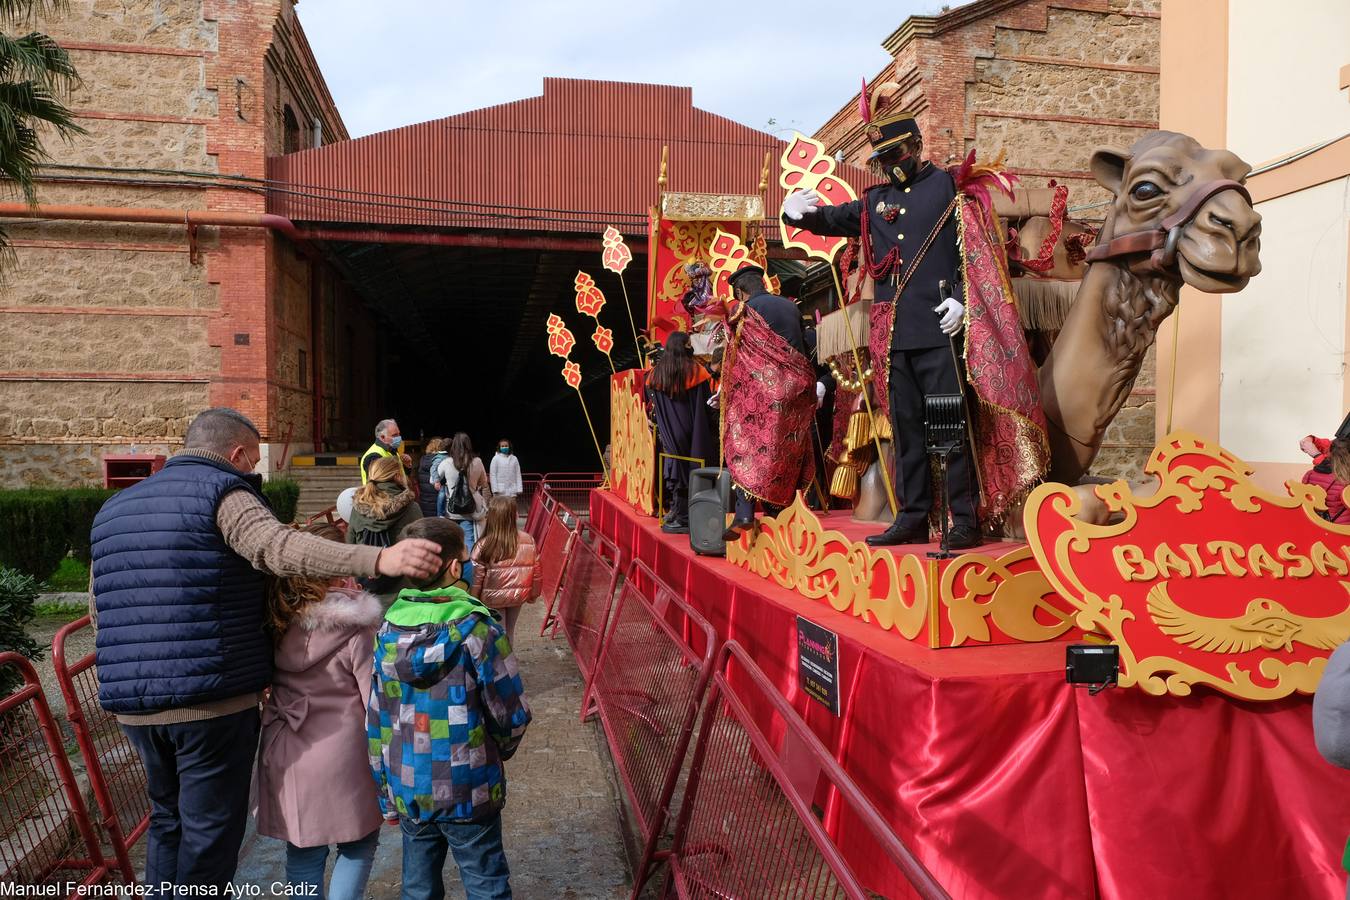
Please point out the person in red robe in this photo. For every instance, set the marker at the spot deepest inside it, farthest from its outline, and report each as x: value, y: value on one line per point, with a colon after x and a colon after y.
x: 769, y: 401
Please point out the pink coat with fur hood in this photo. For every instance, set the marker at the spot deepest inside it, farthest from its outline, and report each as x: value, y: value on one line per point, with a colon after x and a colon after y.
x: 312, y: 784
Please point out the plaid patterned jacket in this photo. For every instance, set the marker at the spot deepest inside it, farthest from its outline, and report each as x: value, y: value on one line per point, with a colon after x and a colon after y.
x: 446, y: 707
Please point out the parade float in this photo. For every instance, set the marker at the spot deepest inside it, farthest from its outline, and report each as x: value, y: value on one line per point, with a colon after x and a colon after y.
x: 947, y: 697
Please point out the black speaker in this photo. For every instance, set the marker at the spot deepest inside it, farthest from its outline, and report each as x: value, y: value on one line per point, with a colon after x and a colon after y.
x: 709, y: 503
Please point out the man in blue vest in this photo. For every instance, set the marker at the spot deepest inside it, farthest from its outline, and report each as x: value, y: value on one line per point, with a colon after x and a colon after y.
x: 179, y: 562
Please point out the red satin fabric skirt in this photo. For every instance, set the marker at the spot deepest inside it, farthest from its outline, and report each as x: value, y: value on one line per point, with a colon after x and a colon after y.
x: 1008, y: 783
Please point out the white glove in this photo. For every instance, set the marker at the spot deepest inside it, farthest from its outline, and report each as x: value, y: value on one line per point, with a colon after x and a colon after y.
x: 798, y: 204
x: 820, y: 394
x: 953, y: 316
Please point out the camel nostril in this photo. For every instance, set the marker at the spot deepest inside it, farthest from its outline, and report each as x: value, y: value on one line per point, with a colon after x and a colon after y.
x: 1216, y: 219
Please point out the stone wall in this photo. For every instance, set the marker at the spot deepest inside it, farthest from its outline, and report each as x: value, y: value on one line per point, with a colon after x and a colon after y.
x: 117, y: 333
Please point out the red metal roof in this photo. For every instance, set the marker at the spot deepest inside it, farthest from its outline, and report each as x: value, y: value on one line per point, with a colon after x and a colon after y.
x: 582, y: 155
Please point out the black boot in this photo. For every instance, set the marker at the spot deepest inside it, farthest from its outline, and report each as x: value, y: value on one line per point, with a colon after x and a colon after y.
x: 897, y: 535
x: 963, y: 537
x: 744, y: 520
x: 678, y: 521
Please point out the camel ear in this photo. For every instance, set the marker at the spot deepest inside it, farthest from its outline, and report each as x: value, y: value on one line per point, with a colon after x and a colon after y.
x: 1108, y: 167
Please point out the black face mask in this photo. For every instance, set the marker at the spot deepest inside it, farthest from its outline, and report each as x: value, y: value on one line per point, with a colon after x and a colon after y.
x: 434, y: 579
x: 903, y: 169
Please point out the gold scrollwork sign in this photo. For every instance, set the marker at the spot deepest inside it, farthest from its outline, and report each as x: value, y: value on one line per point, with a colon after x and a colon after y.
x: 1207, y: 580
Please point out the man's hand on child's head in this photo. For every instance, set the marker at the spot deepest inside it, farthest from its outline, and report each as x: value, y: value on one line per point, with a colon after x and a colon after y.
x: 413, y: 557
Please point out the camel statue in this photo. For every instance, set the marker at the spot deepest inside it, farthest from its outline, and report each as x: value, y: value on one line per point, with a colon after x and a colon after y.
x: 1180, y: 215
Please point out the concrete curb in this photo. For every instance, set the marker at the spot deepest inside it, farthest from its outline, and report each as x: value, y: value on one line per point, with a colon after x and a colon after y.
x: 73, y: 599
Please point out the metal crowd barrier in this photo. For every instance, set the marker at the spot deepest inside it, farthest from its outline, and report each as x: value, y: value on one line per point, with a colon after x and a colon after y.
x: 47, y: 842
x: 541, y: 507
x: 648, y: 684
x: 559, y: 531
x: 584, y: 605
x: 747, y: 827
x: 530, y: 483
x: 116, y: 775
x: 573, y: 488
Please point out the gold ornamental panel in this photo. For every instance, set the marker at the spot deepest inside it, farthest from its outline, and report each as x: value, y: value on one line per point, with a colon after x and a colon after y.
x: 689, y: 207
x: 632, y: 443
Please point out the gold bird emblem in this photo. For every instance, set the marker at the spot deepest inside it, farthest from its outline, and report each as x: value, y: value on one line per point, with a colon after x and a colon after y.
x: 1265, y: 624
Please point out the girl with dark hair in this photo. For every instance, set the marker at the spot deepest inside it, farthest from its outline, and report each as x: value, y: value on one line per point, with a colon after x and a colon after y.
x: 466, y: 505
x: 505, y: 471
x: 679, y: 388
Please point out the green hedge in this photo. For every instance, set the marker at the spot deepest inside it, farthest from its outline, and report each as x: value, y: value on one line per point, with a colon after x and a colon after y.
x: 39, y: 526
x: 18, y: 594
x: 82, y: 504
x: 282, y: 495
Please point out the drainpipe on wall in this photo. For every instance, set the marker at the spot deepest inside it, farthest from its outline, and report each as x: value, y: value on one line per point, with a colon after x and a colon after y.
x: 141, y: 214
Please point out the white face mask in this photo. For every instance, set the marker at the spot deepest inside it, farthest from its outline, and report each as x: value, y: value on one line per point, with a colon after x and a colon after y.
x: 253, y: 467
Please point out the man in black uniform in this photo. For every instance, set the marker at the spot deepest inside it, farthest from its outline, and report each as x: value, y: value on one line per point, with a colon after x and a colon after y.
x: 908, y: 230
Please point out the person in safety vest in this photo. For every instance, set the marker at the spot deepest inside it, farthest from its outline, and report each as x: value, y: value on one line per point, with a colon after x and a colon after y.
x: 388, y: 440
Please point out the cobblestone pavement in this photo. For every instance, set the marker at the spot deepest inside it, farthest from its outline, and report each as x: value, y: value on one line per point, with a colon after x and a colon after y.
x: 562, y: 815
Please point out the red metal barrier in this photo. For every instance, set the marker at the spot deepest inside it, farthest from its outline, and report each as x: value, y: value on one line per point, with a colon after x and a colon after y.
x: 530, y: 482
x: 648, y: 684
x: 46, y: 839
x: 560, y: 528
x: 573, y: 488
x: 115, y: 771
x: 540, y: 508
x: 584, y: 604
x: 747, y: 826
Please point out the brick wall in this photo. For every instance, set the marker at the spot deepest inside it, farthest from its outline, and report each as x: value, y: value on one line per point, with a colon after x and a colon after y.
x: 1047, y: 81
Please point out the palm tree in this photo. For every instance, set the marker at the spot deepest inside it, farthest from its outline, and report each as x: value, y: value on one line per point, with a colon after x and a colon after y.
x: 35, y: 72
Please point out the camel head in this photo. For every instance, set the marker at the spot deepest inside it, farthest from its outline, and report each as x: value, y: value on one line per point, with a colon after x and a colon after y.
x: 1156, y: 226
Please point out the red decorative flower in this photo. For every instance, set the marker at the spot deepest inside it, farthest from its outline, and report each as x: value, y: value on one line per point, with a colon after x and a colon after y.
x: 616, y: 256
x: 603, y: 338
x: 589, y: 298
x: 560, y: 340
x: 571, y: 374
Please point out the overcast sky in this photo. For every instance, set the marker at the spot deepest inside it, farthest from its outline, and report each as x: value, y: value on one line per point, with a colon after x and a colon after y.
x: 404, y: 61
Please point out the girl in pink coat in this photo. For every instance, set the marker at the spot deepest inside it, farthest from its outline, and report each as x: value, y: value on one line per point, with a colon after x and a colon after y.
x: 507, y: 570
x: 312, y: 782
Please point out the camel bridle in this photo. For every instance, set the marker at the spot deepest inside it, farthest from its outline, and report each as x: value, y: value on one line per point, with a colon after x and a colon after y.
x: 1161, y: 242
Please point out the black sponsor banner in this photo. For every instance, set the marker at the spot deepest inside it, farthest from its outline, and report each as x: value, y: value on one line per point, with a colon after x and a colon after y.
x: 818, y: 663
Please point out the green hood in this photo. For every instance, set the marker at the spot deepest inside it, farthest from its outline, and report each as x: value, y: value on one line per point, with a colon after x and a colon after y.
x: 414, y: 608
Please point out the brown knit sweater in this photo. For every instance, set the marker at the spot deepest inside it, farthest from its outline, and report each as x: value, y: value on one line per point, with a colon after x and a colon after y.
x: 251, y: 529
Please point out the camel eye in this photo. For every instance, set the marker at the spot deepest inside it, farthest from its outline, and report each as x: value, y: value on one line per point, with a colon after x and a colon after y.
x: 1145, y: 190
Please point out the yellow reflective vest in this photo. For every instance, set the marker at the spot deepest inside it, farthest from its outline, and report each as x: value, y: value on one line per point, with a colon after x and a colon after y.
x: 377, y: 450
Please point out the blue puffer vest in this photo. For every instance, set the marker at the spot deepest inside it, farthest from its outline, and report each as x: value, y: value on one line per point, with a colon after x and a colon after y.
x: 180, y: 614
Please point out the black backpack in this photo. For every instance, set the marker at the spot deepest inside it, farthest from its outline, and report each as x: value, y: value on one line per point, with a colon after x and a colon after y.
x: 460, y: 502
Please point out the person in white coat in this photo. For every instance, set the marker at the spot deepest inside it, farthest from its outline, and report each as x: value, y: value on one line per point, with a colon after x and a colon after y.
x: 505, y: 473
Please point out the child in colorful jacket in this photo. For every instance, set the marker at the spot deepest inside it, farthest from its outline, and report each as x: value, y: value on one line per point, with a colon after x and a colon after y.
x: 447, y: 706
